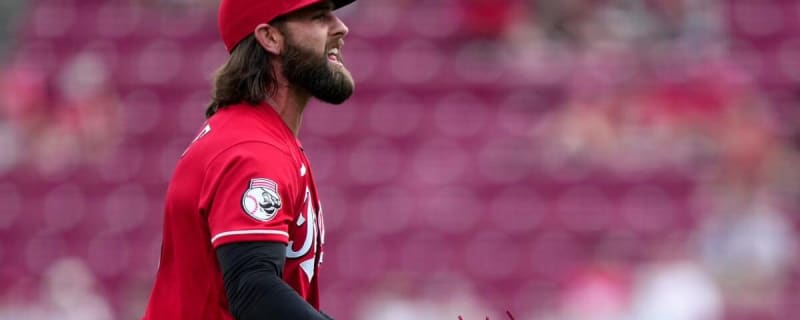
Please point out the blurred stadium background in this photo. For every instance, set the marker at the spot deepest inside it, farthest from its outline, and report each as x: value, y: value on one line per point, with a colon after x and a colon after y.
x: 616, y: 159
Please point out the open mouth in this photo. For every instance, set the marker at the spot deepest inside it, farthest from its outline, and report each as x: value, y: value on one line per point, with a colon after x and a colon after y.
x: 334, y: 56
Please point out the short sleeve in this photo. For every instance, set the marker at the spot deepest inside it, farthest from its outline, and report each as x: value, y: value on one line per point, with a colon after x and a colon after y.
x: 250, y: 193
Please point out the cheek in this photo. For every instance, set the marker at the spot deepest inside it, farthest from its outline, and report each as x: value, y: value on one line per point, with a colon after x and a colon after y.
x: 318, y: 42
x: 318, y: 47
x: 307, y: 40
x: 323, y: 44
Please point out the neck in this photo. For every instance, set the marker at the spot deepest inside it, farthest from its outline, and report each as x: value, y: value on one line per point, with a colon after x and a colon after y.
x: 289, y: 102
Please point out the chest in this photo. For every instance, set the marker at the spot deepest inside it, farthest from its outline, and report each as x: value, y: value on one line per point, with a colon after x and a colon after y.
x: 306, y: 234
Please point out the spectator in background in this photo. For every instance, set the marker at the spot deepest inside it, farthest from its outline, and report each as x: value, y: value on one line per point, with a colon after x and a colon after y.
x: 398, y: 299
x: 675, y: 286
x: 746, y: 235
x: 489, y: 19
x: 10, y: 12
x: 69, y: 291
x: 22, y: 95
x: 599, y: 290
x: 62, y: 120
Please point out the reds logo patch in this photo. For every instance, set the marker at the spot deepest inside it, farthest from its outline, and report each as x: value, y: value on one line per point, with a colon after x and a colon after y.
x: 262, y: 200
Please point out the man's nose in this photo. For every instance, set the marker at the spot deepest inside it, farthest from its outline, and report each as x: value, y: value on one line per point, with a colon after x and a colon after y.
x: 339, y: 29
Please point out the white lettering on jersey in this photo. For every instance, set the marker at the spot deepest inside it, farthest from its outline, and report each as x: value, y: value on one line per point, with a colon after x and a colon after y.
x: 321, y: 225
x: 202, y: 133
x: 310, y: 225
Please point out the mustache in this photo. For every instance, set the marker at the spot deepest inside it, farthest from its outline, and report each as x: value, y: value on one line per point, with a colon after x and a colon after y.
x: 338, y: 43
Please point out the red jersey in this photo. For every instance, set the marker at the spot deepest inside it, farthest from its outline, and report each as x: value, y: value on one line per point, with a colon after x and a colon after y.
x: 244, y: 178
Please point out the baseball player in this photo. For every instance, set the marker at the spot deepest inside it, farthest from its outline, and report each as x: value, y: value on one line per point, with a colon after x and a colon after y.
x: 243, y: 225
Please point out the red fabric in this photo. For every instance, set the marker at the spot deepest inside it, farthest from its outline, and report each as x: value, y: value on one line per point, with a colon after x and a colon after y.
x: 244, y: 153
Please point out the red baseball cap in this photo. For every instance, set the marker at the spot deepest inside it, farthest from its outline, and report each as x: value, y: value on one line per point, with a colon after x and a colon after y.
x: 238, y: 18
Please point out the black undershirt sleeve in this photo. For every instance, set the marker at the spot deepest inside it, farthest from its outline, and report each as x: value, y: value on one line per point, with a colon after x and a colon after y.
x: 252, y: 272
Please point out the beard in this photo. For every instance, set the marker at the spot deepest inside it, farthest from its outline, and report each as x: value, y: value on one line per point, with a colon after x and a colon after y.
x: 314, y: 73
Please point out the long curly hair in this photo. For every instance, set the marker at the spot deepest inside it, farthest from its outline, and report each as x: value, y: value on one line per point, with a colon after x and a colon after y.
x: 247, y: 76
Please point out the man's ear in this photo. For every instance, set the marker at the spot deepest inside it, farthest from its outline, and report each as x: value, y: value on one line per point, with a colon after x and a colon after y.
x: 270, y: 38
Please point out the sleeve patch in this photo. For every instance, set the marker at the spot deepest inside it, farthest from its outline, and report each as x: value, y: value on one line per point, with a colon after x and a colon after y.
x: 261, y: 200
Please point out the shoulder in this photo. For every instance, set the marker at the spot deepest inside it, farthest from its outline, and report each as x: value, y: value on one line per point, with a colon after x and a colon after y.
x: 240, y: 129
x: 254, y: 152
